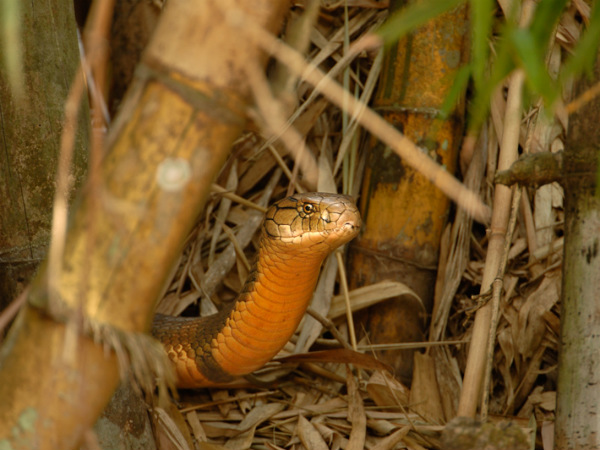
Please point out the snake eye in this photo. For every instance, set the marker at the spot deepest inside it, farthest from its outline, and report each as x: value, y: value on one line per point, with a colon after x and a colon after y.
x: 308, y: 208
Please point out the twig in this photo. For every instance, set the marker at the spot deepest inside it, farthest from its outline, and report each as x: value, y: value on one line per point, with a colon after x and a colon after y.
x: 236, y: 198
x: 13, y: 308
x: 60, y: 209
x: 583, y: 99
x: 496, y: 293
x: 328, y: 324
x: 285, y: 168
x: 344, y: 285
x: 272, y: 114
x: 476, y: 360
x: 411, y: 345
x: 369, y: 119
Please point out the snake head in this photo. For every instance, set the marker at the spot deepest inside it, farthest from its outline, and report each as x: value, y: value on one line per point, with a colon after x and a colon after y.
x: 312, y: 220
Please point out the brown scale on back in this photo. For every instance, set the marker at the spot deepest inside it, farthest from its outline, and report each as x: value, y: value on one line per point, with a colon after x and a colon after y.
x: 298, y: 233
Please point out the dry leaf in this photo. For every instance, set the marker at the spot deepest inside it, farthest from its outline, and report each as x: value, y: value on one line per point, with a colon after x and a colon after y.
x: 366, y: 296
x: 531, y: 316
x: 259, y: 414
x: 196, y: 426
x: 385, y: 390
x: 170, y: 434
x: 309, y: 436
x: 242, y: 441
x: 390, y: 442
x: 356, y: 415
x: 424, y: 393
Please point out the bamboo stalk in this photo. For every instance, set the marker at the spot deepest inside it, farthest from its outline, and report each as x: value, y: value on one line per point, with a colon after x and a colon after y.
x: 369, y: 119
x: 476, y: 360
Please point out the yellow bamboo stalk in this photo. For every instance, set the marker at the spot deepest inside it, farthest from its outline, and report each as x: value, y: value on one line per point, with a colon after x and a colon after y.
x: 175, y: 128
x: 476, y: 360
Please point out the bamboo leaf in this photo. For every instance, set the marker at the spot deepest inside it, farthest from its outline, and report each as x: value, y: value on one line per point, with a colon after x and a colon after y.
x: 503, y: 64
x: 531, y: 57
x: 545, y: 19
x: 481, y: 25
x: 409, y: 18
x: 456, y: 91
x: 11, y: 45
x: 584, y: 55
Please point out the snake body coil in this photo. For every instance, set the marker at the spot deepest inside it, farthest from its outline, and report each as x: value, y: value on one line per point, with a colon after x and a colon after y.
x: 298, y: 233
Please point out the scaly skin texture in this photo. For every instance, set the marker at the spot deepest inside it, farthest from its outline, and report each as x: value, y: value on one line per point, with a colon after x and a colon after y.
x: 299, y: 232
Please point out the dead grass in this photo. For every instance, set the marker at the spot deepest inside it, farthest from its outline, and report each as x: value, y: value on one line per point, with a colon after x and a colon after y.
x: 328, y: 405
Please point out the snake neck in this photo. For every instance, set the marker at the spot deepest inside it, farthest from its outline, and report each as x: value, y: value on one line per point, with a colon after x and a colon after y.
x: 269, y: 308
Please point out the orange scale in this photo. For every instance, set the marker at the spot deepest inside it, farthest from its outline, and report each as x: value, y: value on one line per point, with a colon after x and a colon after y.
x: 277, y: 258
x: 268, y: 283
x: 255, y: 357
x: 220, y: 339
x: 280, y: 295
x: 233, y: 357
x: 235, y: 317
x: 278, y: 312
x: 192, y: 369
x: 227, y: 329
x: 249, y: 320
x: 172, y: 355
x: 257, y: 339
x: 263, y: 333
x: 267, y: 306
x: 248, y: 341
x: 181, y: 367
x: 240, y: 345
x: 253, y: 353
x: 244, y: 369
x: 303, y: 291
x: 224, y: 357
x: 298, y: 273
x: 266, y: 273
x: 183, y: 373
x: 249, y: 315
x: 240, y: 306
x: 265, y: 261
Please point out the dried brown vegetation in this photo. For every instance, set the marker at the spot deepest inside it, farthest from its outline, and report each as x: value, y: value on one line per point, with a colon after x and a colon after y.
x: 324, y: 405
x: 337, y: 399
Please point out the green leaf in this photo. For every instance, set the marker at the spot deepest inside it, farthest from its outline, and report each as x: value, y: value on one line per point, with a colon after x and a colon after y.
x: 11, y: 46
x: 481, y: 25
x: 413, y: 16
x: 584, y: 55
x: 530, y: 54
x: 456, y: 91
x: 545, y: 18
x: 480, y: 105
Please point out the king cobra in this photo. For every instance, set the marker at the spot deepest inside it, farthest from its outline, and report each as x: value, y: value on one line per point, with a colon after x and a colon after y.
x: 298, y: 233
